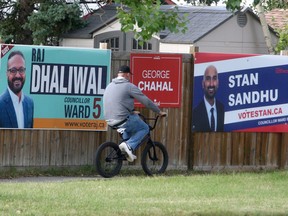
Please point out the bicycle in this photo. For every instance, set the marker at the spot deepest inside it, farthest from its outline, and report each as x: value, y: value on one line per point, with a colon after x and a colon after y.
x: 154, y: 157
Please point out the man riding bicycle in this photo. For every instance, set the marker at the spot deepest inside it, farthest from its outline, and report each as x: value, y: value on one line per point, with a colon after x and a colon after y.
x: 119, y: 110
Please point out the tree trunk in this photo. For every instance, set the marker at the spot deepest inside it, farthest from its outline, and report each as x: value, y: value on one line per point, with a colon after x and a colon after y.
x: 265, y: 28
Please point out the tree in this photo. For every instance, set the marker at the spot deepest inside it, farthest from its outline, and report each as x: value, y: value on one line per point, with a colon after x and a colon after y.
x: 267, y: 4
x: 12, y: 18
x: 37, y: 21
x: 266, y: 32
x: 283, y: 39
x: 53, y: 20
x: 282, y: 33
x: 146, y: 19
x: 44, y: 21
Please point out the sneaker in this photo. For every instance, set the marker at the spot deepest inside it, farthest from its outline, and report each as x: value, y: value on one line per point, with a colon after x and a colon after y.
x: 126, y: 148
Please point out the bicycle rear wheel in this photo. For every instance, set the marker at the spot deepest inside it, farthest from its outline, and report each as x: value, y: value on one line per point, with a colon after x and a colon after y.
x: 154, y: 159
x: 108, y: 159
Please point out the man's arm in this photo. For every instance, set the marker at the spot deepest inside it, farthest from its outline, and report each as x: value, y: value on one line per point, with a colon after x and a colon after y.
x: 136, y: 93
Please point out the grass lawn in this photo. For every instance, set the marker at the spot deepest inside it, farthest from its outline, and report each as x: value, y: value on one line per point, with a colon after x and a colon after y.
x: 261, y: 193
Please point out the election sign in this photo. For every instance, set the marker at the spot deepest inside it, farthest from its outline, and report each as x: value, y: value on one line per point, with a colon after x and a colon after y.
x: 53, y: 87
x: 159, y: 76
x: 253, y: 90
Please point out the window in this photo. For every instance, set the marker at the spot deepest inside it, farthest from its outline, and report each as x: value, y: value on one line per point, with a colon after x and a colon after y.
x: 113, y: 43
x: 146, y: 46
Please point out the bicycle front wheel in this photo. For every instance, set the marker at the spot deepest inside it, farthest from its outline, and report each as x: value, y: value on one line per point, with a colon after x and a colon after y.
x: 154, y: 159
x: 108, y: 159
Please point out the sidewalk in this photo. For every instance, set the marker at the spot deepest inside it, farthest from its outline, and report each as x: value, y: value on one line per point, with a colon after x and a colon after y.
x: 47, y: 179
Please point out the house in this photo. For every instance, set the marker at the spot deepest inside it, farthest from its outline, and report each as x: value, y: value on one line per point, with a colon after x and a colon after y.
x: 211, y: 29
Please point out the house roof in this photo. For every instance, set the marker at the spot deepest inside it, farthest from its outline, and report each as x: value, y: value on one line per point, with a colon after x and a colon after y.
x: 201, y: 21
x: 277, y: 18
x: 95, y: 21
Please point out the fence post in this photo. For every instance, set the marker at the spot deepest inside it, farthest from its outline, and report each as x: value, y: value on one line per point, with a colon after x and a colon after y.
x: 191, y: 136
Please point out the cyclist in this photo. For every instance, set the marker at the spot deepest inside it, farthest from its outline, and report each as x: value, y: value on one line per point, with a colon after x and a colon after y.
x: 119, y: 110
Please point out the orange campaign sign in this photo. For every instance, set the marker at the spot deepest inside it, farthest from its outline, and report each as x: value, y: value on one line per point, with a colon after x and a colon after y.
x: 159, y: 76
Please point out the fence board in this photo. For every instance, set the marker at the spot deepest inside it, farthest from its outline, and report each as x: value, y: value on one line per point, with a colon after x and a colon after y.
x: 275, y: 148
x: 225, y: 149
x: 2, y: 152
x: 26, y: 148
x: 217, y: 149
x: 283, y: 151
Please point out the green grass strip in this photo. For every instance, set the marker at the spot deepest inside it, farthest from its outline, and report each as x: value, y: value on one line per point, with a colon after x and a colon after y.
x: 262, y: 193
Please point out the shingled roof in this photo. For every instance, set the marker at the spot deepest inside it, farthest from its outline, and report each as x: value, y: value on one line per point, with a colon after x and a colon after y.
x: 277, y: 18
x: 201, y: 21
x: 95, y: 21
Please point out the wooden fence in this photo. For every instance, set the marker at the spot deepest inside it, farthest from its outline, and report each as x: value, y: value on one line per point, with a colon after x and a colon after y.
x: 238, y: 151
x: 200, y: 151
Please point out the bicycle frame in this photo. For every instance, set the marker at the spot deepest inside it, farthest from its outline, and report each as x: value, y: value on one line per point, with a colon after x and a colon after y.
x: 154, y: 156
x: 147, y: 139
x: 121, y: 156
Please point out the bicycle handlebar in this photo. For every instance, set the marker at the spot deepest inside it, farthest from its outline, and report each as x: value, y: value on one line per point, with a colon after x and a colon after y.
x: 155, y: 119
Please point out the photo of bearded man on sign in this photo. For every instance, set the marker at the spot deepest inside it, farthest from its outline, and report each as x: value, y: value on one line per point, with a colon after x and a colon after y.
x: 208, y: 115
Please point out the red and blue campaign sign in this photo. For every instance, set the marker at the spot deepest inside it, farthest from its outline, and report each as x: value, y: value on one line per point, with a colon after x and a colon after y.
x: 159, y: 76
x: 251, y: 91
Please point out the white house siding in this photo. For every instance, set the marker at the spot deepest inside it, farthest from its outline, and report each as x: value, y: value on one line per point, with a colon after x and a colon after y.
x: 89, y: 43
x: 231, y: 38
x: 174, y: 48
x: 76, y: 42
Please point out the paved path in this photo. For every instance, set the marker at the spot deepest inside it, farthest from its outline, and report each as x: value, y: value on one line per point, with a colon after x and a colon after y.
x: 47, y: 179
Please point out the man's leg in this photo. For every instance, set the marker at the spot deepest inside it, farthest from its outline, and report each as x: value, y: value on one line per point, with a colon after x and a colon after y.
x: 135, y: 131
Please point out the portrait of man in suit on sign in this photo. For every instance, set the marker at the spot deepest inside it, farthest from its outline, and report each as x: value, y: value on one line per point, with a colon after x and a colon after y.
x: 208, y: 115
x: 16, y: 109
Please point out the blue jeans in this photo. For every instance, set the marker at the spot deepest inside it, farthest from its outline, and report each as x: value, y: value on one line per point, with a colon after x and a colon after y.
x: 135, y: 130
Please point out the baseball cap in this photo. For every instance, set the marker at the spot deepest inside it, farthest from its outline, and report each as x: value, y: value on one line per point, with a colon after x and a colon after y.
x: 124, y: 69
